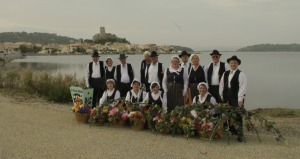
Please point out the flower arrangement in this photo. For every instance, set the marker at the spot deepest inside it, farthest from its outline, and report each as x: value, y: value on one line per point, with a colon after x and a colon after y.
x: 96, y: 116
x: 137, y: 120
x: 117, y: 115
x: 81, y: 113
x: 162, y: 123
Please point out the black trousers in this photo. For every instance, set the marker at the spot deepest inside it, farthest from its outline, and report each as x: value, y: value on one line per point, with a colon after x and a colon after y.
x: 98, y: 85
x: 147, y: 85
x: 124, y: 88
x: 214, y: 91
x: 232, y: 100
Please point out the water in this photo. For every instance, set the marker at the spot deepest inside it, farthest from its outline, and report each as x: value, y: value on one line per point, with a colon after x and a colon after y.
x: 273, y: 77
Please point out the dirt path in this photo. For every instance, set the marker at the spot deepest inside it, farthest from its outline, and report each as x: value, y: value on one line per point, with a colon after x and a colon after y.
x: 34, y: 128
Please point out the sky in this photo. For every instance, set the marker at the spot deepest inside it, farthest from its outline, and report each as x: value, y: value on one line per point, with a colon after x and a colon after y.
x: 198, y: 24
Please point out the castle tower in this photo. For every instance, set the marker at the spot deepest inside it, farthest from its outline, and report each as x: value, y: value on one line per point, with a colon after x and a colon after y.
x: 102, y: 31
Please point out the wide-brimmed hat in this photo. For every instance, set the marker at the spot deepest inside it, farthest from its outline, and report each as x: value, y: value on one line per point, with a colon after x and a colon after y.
x: 184, y: 53
x: 202, y: 83
x: 153, y: 54
x: 234, y: 58
x: 215, y: 52
x: 95, y: 54
x: 135, y: 80
x: 154, y: 83
x: 122, y: 56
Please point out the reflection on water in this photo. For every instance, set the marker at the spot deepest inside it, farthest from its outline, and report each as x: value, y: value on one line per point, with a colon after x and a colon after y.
x: 273, y: 78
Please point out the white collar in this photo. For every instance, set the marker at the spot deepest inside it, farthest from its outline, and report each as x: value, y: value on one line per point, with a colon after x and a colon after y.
x: 172, y: 70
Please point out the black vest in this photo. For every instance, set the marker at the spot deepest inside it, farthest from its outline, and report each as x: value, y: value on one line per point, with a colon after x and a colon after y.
x: 208, y: 97
x: 197, y: 76
x: 142, y: 72
x: 174, y: 77
x: 160, y: 73
x: 110, y: 74
x: 234, y: 83
x: 130, y: 73
x: 210, y: 71
x: 112, y: 97
x: 136, y: 100
x: 158, y: 101
x: 102, y: 71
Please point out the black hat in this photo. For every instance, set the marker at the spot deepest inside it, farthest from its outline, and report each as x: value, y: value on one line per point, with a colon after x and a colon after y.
x: 234, y: 58
x: 215, y: 52
x: 153, y: 54
x: 184, y: 53
x: 122, y: 56
x: 95, y: 54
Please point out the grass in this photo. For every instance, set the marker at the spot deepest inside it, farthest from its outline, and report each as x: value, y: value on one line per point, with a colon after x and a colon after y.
x: 279, y: 112
x: 53, y: 87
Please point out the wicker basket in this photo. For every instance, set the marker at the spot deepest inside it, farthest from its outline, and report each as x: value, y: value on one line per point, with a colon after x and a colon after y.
x: 98, y: 121
x: 138, y: 126
x: 82, y: 118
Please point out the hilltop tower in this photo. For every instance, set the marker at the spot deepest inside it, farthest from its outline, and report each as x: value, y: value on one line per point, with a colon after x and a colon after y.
x: 102, y: 31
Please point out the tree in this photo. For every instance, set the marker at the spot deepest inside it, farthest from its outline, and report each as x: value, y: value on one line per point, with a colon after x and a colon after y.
x: 23, y: 49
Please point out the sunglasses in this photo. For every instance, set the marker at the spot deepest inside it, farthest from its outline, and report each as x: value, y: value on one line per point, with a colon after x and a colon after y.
x: 215, y: 57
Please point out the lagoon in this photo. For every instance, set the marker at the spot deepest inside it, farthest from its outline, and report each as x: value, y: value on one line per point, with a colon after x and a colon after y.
x: 273, y: 77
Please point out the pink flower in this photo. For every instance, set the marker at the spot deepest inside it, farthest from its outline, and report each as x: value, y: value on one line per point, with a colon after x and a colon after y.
x: 113, y: 111
x: 124, y: 116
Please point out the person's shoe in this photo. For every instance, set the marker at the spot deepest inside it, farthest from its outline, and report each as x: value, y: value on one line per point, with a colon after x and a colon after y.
x: 240, y: 138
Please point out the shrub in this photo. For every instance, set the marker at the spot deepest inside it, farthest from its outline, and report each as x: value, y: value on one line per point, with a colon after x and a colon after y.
x: 11, y: 79
x: 27, y: 83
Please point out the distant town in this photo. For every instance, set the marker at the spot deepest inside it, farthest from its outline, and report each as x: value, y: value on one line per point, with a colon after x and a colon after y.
x: 105, y: 43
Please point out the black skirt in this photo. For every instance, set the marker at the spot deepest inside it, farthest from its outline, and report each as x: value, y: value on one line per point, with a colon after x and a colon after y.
x: 174, y: 96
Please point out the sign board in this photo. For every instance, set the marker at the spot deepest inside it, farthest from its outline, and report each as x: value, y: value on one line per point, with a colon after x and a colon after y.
x: 82, y: 96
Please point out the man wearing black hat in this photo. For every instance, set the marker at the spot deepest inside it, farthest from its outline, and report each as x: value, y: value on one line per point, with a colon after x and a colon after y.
x: 214, y: 72
x: 94, y: 77
x: 186, y: 65
x: 124, y: 75
x: 233, y: 91
x: 155, y: 73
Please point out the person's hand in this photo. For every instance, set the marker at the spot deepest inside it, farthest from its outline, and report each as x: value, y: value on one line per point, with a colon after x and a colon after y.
x: 241, y: 104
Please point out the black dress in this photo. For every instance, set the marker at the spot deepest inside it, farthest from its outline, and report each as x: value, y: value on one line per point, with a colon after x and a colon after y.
x: 195, y: 77
x: 175, y: 84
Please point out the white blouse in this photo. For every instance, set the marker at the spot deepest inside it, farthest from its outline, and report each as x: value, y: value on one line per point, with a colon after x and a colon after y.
x: 128, y: 98
x: 155, y: 97
x: 109, y: 93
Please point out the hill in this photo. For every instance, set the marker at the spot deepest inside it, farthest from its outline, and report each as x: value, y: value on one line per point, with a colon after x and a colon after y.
x: 270, y: 47
x: 42, y: 38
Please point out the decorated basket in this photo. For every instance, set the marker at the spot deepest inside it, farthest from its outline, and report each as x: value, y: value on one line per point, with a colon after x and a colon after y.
x: 139, y: 125
x: 81, y: 118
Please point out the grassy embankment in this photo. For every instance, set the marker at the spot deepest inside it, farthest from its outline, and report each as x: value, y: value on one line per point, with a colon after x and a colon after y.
x: 53, y: 87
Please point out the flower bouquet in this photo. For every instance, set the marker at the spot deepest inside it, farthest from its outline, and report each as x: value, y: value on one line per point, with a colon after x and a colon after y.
x: 81, y: 113
x: 162, y: 123
x: 137, y: 120
x: 188, y: 126
x: 117, y: 116
x: 96, y: 117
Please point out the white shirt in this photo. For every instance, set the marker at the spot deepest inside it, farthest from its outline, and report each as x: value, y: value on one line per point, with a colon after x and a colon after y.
x: 152, y: 73
x: 109, y: 68
x: 96, y: 72
x: 165, y: 81
x: 202, y: 100
x: 109, y: 93
x: 155, y: 97
x: 185, y: 66
x: 215, y: 73
x: 242, y: 85
x: 124, y: 73
x: 128, y: 98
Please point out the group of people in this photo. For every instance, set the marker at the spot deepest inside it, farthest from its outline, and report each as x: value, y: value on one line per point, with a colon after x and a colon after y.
x: 181, y: 83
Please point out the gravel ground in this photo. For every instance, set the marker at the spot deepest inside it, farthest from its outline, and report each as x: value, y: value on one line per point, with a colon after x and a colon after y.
x: 33, y: 128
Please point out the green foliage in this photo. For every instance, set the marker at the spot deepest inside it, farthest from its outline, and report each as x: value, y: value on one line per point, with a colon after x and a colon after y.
x: 271, y: 47
x: 28, y: 82
x: 111, y: 39
x: 43, y: 38
x: 11, y: 79
x: 23, y: 49
x: 279, y: 112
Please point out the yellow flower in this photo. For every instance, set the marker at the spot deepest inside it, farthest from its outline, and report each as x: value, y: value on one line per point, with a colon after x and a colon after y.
x: 105, y: 110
